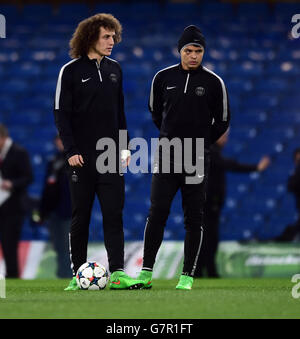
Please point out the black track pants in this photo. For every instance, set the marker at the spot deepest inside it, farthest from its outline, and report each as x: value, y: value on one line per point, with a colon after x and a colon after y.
x: 10, y: 232
x: 163, y: 189
x: 207, y: 260
x: 85, y: 182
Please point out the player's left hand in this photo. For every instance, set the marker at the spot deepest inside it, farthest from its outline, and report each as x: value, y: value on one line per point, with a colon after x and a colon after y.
x: 125, y: 158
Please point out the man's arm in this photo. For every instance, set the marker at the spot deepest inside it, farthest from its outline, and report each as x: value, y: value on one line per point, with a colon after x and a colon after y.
x: 125, y: 153
x: 63, y: 111
x: 122, y: 118
x: 235, y: 166
x: 232, y: 165
x: 155, y: 101
x: 220, y: 111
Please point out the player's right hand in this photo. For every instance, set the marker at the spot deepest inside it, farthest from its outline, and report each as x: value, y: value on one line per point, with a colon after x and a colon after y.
x: 76, y: 161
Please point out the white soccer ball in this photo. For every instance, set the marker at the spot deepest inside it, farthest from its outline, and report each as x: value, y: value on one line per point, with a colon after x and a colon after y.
x: 92, y: 276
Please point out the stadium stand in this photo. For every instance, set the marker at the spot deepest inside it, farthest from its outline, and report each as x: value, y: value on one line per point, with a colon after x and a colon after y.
x: 248, y: 45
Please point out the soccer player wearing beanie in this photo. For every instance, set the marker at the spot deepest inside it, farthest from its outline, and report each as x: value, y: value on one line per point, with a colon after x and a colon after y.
x: 187, y: 100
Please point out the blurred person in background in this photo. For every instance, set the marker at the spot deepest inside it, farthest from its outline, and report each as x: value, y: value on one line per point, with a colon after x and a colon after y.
x: 15, y: 177
x: 215, y: 198
x: 55, y: 209
x: 292, y: 232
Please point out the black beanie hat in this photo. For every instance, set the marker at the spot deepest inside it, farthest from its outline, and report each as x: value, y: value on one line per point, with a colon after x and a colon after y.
x: 191, y: 36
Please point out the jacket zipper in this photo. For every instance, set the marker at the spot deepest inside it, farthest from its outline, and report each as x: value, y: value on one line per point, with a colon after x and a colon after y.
x: 98, y: 67
x: 186, y: 83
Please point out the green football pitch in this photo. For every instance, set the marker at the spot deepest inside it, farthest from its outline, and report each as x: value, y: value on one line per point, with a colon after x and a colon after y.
x: 209, y: 298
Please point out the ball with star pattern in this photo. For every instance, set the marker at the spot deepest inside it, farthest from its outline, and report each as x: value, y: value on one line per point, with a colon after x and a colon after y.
x: 92, y: 276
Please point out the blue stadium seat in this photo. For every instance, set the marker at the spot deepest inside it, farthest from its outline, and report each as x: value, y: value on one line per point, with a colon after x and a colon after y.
x: 37, y: 12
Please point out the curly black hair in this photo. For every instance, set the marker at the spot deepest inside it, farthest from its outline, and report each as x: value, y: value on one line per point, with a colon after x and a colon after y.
x: 87, y: 33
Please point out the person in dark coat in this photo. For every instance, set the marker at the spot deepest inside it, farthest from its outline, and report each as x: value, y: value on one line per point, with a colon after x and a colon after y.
x: 292, y: 231
x: 16, y: 175
x: 215, y: 198
x: 55, y: 209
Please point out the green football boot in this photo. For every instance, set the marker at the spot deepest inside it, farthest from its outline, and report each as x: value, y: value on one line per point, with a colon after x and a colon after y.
x: 146, y: 277
x: 120, y: 281
x: 185, y: 283
x: 72, y: 285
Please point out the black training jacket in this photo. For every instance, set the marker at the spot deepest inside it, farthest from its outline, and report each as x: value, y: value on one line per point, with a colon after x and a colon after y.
x: 189, y: 104
x: 89, y: 104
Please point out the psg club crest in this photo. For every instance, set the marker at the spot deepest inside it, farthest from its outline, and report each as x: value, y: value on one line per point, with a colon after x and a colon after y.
x: 113, y: 77
x: 74, y: 177
x: 200, y: 91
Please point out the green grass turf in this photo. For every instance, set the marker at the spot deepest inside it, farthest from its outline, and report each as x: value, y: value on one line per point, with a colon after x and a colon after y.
x: 209, y: 298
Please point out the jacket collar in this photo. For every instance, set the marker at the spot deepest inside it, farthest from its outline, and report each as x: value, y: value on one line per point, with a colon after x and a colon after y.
x: 87, y: 59
x: 194, y: 71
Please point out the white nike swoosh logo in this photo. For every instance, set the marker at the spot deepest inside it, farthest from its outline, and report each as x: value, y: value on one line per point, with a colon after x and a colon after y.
x: 85, y: 80
x: 171, y: 87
